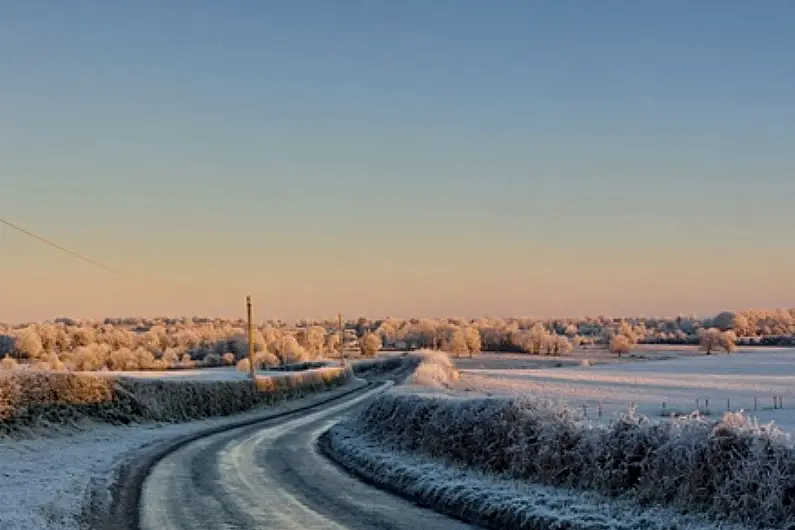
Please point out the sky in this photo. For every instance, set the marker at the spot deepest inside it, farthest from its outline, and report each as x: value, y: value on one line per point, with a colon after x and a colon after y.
x: 412, y: 158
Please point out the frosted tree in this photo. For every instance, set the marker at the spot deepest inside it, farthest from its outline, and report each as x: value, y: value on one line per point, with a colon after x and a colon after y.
x: 562, y: 345
x: 332, y: 343
x: 287, y: 349
x: 314, y: 338
x: 369, y: 344
x: 456, y: 342
x: 731, y: 321
x: 728, y: 341
x: 537, y: 338
x: 709, y: 340
x: 473, y: 340
x: 29, y: 344
x: 620, y: 344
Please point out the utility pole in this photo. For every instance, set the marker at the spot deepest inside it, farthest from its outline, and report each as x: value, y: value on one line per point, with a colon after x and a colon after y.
x: 250, y: 339
x: 342, y: 340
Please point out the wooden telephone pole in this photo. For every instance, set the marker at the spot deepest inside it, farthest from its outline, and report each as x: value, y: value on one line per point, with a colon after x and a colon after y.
x: 250, y: 339
x: 342, y: 340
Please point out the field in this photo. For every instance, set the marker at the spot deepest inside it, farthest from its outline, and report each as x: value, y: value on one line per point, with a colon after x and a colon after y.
x: 747, y: 380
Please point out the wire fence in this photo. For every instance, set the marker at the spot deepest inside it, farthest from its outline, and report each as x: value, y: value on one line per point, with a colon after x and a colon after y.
x: 700, y: 406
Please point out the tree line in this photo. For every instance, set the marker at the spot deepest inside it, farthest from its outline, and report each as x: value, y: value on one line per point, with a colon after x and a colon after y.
x: 150, y: 343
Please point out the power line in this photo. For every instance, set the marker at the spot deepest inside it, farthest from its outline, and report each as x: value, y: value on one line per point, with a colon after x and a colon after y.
x: 59, y: 247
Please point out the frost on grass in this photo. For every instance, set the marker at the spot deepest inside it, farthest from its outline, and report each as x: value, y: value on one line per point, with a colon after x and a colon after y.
x: 731, y: 469
x: 496, y: 502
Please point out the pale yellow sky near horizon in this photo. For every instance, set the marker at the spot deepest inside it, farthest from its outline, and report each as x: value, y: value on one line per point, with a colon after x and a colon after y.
x: 41, y: 283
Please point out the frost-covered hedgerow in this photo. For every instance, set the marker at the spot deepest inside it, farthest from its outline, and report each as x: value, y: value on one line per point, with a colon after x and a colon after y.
x: 497, y: 502
x: 435, y: 370
x: 28, y: 398
x: 730, y: 468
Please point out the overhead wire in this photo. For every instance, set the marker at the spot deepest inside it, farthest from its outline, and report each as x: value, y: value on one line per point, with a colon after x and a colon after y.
x: 53, y: 244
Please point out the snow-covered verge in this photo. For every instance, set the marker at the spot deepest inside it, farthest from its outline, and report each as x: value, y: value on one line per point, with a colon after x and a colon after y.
x: 729, y: 469
x: 46, y: 482
x: 492, y: 501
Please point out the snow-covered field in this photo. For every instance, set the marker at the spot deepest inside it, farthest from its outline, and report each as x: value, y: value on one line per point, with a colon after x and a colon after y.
x: 225, y: 373
x: 746, y: 381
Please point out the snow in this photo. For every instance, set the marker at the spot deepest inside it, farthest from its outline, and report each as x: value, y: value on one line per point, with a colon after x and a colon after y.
x: 733, y: 381
x: 44, y: 481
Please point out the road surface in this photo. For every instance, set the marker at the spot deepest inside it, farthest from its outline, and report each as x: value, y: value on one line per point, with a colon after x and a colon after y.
x: 271, y: 476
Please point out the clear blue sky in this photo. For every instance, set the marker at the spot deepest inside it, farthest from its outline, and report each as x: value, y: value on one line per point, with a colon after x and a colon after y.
x: 404, y: 158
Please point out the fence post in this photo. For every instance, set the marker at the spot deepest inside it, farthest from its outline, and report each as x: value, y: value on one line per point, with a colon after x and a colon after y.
x: 599, y: 410
x: 663, y: 409
x: 756, y: 403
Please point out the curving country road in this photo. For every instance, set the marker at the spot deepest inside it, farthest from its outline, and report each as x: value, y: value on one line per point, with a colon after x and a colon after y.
x: 271, y: 476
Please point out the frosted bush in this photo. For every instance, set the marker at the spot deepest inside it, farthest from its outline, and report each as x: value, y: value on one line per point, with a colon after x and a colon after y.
x: 435, y: 370
x: 212, y: 359
x: 729, y: 468
x: 8, y: 363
